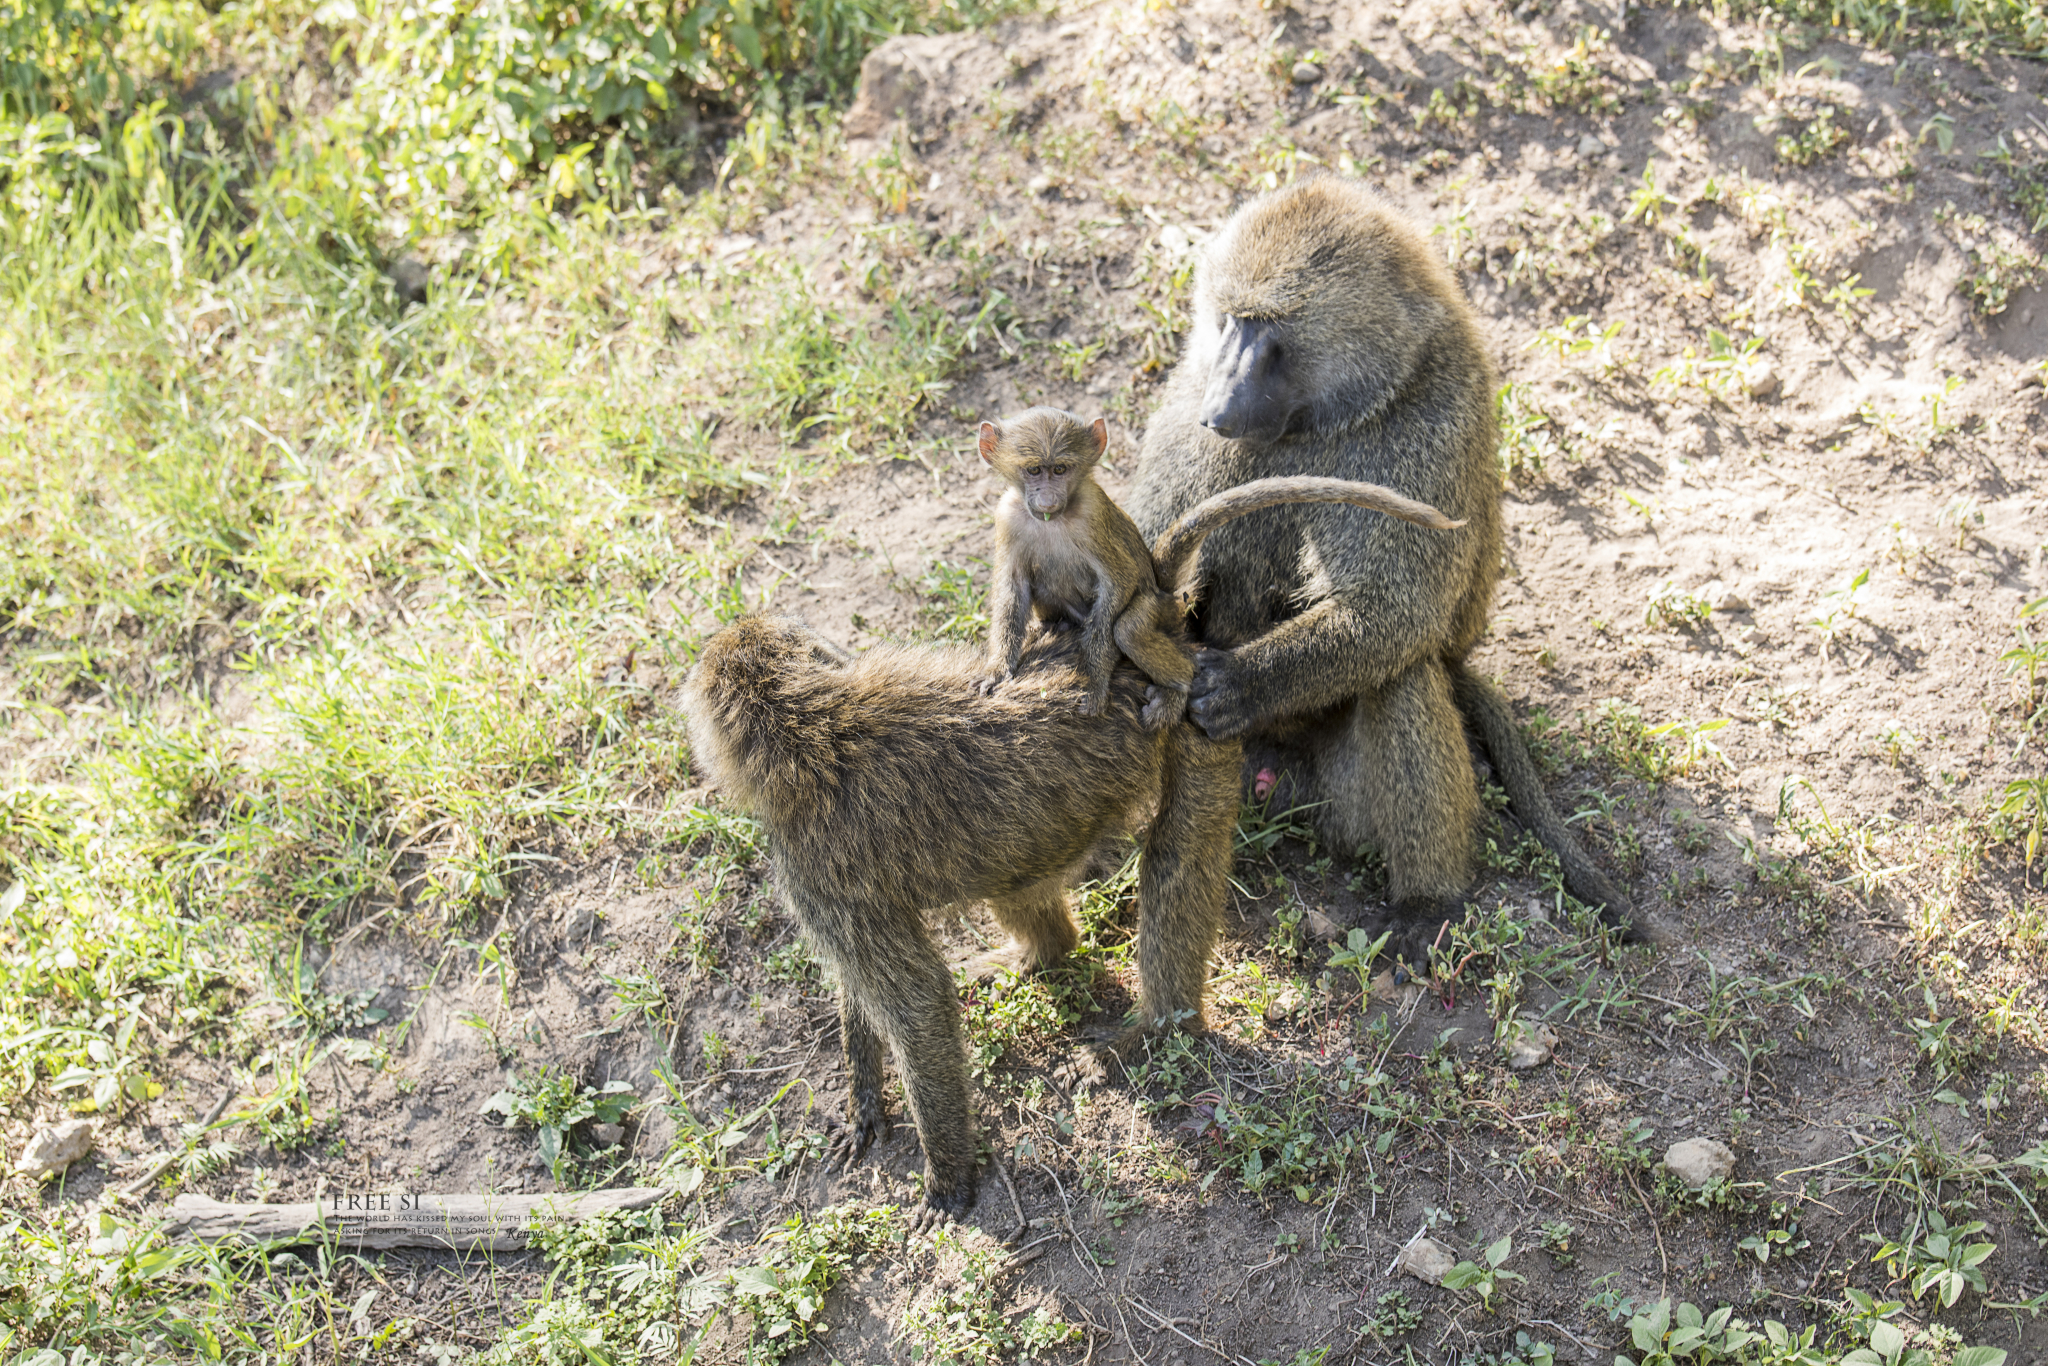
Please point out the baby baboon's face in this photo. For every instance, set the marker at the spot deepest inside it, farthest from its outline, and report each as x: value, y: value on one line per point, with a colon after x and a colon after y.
x: 1045, y: 454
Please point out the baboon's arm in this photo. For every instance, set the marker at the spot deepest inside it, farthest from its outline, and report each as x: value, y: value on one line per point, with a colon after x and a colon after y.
x: 1009, y: 613
x: 1329, y: 653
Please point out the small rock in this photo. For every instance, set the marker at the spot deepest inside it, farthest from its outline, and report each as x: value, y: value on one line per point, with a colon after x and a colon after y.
x: 1320, y: 925
x: 1174, y: 240
x: 1285, y: 1002
x: 1307, y: 73
x: 1697, y: 1161
x: 1038, y: 184
x: 1722, y: 598
x: 1427, y: 1260
x: 55, y: 1147
x: 607, y: 1135
x: 1591, y: 146
x: 1531, y: 1046
x: 1759, y: 380
x: 1398, y: 994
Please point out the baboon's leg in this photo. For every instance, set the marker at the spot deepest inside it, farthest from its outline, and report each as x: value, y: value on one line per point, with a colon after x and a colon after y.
x: 1400, y: 776
x: 892, y: 982
x: 916, y: 1008
x: 1098, y: 652
x: 1182, y: 881
x: 1041, y: 929
x: 1160, y: 657
x: 896, y: 984
x: 869, y: 1119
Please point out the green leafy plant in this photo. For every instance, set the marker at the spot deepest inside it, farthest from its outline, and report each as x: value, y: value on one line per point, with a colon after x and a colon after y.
x: 1485, y: 1275
x: 1360, y: 950
x: 1939, y: 1258
x: 1887, y: 1347
x: 554, y: 1102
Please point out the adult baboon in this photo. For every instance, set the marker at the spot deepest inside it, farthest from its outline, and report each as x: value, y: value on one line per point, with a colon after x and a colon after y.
x: 890, y: 784
x: 1328, y: 339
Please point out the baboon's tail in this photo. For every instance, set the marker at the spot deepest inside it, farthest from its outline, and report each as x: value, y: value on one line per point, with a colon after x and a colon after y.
x: 1484, y: 706
x: 1177, y: 546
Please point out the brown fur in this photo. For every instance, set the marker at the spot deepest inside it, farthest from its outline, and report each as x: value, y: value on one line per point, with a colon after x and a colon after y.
x: 890, y: 783
x: 1329, y: 340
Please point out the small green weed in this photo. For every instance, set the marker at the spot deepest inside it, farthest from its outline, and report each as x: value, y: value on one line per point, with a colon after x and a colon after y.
x: 1937, y: 1257
x: 967, y: 1324
x: 1485, y: 1275
x: 554, y: 1102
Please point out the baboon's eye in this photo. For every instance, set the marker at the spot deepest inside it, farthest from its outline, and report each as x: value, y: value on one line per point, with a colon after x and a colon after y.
x: 1035, y: 471
x: 1059, y: 469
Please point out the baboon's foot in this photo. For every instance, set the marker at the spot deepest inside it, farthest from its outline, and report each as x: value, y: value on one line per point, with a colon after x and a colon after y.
x: 1627, y: 925
x: 850, y: 1140
x: 1163, y: 707
x: 946, y: 1199
x: 1016, y: 957
x: 1415, y: 926
x: 1091, y: 705
x: 1108, y: 1059
x: 987, y: 684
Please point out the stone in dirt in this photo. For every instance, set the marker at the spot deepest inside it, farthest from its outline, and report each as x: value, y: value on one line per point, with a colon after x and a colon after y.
x: 1427, y: 1260
x: 1697, y: 1161
x: 1324, y: 926
x: 1531, y: 1046
x: 1307, y: 73
x: 607, y: 1135
x: 55, y: 1147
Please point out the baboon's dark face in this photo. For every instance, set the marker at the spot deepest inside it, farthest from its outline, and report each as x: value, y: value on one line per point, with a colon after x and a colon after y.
x: 1251, y: 392
x: 1045, y: 454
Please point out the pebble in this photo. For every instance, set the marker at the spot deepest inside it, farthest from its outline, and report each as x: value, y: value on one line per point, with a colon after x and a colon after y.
x: 1532, y: 1046
x: 1591, y: 146
x: 1322, y: 926
x: 1426, y: 1260
x: 1760, y: 380
x: 1038, y: 184
x: 1307, y: 73
x: 55, y: 1147
x: 607, y: 1135
x: 1697, y: 1161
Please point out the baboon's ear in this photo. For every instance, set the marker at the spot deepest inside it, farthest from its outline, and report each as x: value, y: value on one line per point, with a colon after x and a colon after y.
x: 1100, y: 431
x: 990, y: 435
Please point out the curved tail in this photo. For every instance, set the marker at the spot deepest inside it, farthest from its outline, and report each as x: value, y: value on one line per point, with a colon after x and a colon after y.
x: 1483, y: 705
x: 1175, y: 550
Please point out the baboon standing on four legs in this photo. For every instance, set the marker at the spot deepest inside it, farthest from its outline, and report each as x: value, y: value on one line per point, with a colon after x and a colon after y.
x: 1328, y: 339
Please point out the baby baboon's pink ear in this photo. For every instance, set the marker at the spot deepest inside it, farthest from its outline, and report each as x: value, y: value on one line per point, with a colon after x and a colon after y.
x: 990, y: 434
x: 1101, y: 433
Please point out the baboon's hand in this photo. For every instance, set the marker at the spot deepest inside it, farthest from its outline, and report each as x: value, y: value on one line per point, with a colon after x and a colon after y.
x: 987, y: 684
x: 1091, y: 706
x: 1217, y: 699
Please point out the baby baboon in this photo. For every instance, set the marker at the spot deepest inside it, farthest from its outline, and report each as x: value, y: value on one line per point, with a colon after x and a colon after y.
x: 889, y: 784
x: 1066, y: 552
x: 1328, y: 339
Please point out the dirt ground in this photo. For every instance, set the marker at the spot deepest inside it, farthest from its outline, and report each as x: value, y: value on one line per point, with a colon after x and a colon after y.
x: 1794, y: 570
